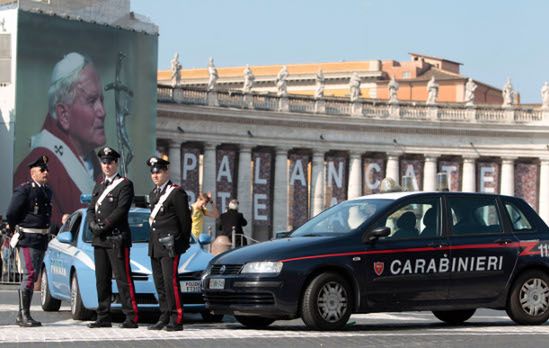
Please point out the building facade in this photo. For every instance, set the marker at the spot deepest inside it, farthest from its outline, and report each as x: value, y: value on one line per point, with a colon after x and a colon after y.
x: 288, y: 158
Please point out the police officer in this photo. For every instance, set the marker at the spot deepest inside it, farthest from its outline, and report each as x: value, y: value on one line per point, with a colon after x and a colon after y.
x: 170, y: 222
x: 29, y: 214
x: 108, y: 221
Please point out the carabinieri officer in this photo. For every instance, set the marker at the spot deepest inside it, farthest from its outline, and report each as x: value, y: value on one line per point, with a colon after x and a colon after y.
x: 170, y: 222
x: 108, y: 221
x: 29, y: 215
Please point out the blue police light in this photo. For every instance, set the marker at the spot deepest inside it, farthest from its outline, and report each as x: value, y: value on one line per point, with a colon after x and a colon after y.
x: 85, y: 198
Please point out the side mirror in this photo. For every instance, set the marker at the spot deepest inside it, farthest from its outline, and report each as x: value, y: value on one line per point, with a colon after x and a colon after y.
x: 65, y: 237
x: 204, y: 239
x: 373, y: 235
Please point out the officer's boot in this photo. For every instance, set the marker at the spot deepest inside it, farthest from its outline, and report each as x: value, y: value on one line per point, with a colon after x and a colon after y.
x: 19, y: 318
x: 28, y: 321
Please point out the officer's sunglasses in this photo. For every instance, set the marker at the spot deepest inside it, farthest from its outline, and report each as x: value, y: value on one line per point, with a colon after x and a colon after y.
x: 44, y: 169
x: 107, y: 160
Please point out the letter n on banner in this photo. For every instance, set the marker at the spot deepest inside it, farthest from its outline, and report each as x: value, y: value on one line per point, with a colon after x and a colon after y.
x: 262, y: 208
x: 336, y: 178
x: 527, y: 181
x: 190, y: 161
x: 298, y: 197
x: 374, y: 171
x: 225, y: 176
x: 413, y: 166
x: 488, y: 175
x: 452, y: 167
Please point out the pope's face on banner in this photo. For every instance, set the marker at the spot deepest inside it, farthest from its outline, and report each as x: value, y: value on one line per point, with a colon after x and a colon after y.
x: 84, y: 119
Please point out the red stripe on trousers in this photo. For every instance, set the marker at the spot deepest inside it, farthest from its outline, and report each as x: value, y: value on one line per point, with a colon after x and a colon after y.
x: 176, y: 293
x: 130, y: 282
x: 28, y: 266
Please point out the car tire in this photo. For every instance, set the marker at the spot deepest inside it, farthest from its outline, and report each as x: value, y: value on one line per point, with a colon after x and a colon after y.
x: 211, y: 318
x: 254, y: 322
x: 48, y: 303
x: 454, y: 317
x: 327, y: 302
x: 78, y: 311
x: 528, y: 302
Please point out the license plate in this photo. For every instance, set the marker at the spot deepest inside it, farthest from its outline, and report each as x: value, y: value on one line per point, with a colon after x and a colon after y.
x: 217, y: 283
x: 191, y: 286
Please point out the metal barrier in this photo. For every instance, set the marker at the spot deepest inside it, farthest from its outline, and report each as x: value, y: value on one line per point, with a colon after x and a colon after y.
x: 10, y: 266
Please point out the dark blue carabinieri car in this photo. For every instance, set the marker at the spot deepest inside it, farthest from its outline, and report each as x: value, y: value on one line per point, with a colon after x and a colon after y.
x: 445, y: 252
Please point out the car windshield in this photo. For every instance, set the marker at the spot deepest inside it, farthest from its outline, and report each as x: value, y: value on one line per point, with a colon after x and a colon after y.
x: 139, y: 225
x: 342, y: 218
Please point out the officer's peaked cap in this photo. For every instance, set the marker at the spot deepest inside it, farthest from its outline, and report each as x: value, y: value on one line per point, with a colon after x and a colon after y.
x: 41, y: 161
x: 156, y: 164
x: 108, y: 153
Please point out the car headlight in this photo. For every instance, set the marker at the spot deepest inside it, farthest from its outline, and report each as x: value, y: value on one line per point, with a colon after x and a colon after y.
x: 262, y: 267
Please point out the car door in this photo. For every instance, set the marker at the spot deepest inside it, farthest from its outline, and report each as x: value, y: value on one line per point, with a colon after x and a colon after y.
x: 483, y: 252
x: 66, y: 258
x: 406, y: 269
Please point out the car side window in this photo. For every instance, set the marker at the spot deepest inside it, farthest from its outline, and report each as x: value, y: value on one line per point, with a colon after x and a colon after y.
x: 414, y: 221
x: 75, y: 226
x: 518, y: 219
x: 474, y: 215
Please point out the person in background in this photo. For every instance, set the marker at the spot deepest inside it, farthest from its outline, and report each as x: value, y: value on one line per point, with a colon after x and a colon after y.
x: 200, y: 209
x: 230, y: 220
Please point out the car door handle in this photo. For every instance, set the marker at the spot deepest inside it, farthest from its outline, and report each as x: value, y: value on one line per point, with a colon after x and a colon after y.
x: 503, y: 241
x: 437, y: 244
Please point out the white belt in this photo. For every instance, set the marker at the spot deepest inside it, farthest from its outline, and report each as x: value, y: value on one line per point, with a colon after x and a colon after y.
x: 33, y: 230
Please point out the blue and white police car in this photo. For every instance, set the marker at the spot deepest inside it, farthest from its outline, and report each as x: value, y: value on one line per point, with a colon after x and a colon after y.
x: 68, y: 270
x: 445, y: 252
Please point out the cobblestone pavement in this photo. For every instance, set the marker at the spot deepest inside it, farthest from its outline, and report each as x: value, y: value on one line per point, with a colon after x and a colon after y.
x: 417, y: 329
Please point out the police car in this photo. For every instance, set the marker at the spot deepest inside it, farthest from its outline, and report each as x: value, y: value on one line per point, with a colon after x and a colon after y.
x: 445, y: 252
x: 68, y: 270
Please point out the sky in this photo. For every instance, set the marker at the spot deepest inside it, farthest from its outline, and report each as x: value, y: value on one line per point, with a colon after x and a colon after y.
x: 493, y: 39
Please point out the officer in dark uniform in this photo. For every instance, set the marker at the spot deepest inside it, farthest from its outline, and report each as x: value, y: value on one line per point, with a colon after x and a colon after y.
x: 29, y: 216
x: 169, y: 237
x: 108, y: 221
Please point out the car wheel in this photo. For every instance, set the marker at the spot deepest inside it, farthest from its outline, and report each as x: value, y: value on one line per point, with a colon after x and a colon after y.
x: 254, y: 322
x: 49, y: 304
x: 327, y: 302
x: 78, y: 311
x: 454, y: 317
x: 211, y: 318
x: 529, y: 300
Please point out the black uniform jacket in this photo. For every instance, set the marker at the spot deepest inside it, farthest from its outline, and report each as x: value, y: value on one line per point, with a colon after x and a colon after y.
x: 173, y: 218
x: 228, y: 220
x: 112, y: 213
x: 30, y: 207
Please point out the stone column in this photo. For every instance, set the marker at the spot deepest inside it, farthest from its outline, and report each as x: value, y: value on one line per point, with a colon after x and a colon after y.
x: 393, y: 167
x: 317, y: 183
x: 208, y: 181
x: 355, y: 176
x: 469, y: 175
x: 280, y: 197
x: 175, y: 162
x: 430, y: 173
x: 244, y: 190
x: 508, y: 176
x: 544, y: 190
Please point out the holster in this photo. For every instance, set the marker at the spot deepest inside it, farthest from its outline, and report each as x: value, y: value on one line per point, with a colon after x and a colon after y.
x: 116, y: 240
x: 168, y: 243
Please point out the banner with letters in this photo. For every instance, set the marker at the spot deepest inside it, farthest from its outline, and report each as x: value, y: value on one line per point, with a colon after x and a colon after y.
x: 190, y: 159
x: 225, y: 176
x: 527, y: 182
x: 336, y: 178
x: 413, y: 167
x: 488, y: 173
x: 262, y: 190
x: 374, y: 172
x: 452, y: 168
x: 298, y: 196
